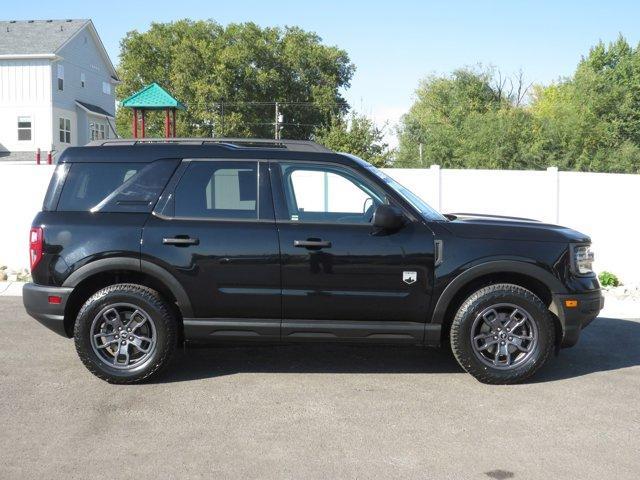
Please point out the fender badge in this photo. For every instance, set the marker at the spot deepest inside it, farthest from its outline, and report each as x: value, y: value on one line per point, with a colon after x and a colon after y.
x: 409, y: 277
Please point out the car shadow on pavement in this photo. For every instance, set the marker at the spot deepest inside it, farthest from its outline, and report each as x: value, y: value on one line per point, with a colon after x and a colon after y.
x: 197, y: 363
x: 607, y: 344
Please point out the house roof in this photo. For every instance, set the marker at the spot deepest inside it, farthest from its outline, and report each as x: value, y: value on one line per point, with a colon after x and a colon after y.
x: 152, y: 96
x: 33, y: 37
x: 88, y: 107
x: 45, y: 38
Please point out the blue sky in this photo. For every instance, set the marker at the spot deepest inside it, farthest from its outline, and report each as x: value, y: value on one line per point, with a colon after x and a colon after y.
x: 393, y: 43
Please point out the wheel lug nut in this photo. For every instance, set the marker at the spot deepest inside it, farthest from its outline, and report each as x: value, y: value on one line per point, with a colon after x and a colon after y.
x: 501, y: 343
x: 510, y: 338
x: 129, y: 329
x: 124, y: 343
x: 495, y: 337
x: 119, y: 328
x: 131, y: 339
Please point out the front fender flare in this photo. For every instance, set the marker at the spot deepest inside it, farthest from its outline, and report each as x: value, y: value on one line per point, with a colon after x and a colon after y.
x: 496, y: 266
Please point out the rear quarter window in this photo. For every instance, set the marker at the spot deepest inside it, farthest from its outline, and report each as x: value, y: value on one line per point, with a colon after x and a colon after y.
x: 114, y: 187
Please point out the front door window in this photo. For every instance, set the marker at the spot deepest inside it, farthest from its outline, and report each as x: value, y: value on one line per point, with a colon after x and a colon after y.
x: 328, y: 194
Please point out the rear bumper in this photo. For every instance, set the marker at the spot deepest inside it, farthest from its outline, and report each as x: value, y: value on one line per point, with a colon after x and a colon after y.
x: 36, y: 302
x: 574, y: 319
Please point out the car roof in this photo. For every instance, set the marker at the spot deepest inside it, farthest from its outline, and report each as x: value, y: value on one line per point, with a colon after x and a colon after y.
x: 149, y: 150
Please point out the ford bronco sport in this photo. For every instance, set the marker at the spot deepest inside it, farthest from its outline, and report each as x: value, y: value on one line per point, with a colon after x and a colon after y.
x: 142, y: 246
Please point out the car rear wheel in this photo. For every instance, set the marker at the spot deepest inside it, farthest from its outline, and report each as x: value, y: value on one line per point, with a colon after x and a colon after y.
x: 125, y: 333
x: 502, y: 334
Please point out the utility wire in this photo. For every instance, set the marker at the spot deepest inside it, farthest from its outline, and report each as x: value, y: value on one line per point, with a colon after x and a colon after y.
x: 267, y: 104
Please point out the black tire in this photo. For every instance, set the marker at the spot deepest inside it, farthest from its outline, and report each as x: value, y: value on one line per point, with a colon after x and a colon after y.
x: 470, y: 316
x: 157, y: 313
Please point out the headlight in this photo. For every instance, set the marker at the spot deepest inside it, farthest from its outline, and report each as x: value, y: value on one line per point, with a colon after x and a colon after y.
x: 582, y: 259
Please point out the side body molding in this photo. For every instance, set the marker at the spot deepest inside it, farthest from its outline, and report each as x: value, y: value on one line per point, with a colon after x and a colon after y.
x: 133, y: 265
x: 497, y: 266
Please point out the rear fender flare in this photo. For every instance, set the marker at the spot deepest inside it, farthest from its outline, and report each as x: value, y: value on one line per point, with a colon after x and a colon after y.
x: 133, y: 265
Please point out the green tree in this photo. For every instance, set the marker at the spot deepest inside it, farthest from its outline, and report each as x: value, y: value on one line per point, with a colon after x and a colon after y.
x: 228, y: 77
x: 475, y: 118
x: 358, y: 135
x: 471, y: 119
x: 591, y: 121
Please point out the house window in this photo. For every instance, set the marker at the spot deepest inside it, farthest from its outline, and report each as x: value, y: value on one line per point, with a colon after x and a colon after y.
x: 60, y: 77
x: 106, y: 88
x: 97, y: 131
x: 82, y: 79
x: 65, y: 130
x: 24, y: 128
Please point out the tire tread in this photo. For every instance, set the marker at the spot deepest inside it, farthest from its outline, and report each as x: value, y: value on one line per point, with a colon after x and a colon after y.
x: 465, y: 356
x: 167, y: 349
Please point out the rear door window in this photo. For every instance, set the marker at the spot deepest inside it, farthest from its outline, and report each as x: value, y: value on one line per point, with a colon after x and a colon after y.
x: 114, y: 187
x: 218, y: 190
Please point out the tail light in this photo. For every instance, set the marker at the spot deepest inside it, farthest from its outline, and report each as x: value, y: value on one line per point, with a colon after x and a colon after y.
x: 35, y: 246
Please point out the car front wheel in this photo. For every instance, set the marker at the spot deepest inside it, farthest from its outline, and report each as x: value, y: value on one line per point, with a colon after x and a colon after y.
x: 502, y: 334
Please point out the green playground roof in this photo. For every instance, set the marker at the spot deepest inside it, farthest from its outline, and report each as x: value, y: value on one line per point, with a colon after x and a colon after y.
x: 152, y: 96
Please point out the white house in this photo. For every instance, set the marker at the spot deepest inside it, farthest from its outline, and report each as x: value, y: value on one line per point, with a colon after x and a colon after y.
x: 56, y: 87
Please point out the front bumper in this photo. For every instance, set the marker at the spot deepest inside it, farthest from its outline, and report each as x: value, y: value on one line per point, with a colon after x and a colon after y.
x: 36, y: 302
x: 574, y: 318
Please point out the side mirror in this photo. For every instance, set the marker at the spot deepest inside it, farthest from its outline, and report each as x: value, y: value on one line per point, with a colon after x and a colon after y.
x: 388, y: 217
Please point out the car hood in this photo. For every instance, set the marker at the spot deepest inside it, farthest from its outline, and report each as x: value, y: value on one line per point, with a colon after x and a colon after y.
x: 497, y: 227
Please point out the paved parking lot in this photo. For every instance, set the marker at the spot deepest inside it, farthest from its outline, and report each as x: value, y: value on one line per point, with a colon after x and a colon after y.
x: 318, y: 412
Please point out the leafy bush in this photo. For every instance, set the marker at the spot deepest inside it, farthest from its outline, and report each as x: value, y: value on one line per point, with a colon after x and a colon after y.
x: 608, y: 279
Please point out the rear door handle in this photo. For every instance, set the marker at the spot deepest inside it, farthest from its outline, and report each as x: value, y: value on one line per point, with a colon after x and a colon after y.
x: 180, y: 241
x: 311, y: 244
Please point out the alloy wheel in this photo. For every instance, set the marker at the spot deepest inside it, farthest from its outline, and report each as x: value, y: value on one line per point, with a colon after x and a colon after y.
x: 504, y: 336
x: 123, y: 336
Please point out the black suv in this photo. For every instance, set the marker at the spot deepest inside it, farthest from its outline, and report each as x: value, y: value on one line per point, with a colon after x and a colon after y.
x: 144, y: 245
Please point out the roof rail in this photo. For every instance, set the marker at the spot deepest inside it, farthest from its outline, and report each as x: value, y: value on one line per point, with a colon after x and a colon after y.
x: 292, y: 145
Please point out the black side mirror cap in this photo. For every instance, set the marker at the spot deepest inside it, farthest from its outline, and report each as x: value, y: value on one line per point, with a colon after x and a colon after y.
x: 388, y: 217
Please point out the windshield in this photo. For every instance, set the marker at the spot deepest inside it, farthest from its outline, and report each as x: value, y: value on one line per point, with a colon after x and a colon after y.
x: 417, y: 203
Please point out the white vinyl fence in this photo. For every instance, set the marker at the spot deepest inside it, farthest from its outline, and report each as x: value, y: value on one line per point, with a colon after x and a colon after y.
x: 22, y: 190
x: 604, y: 206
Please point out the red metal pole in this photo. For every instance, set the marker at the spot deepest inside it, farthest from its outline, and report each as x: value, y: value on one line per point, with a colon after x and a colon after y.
x: 134, y: 127
x: 49, y: 159
x: 38, y: 157
x: 167, y: 127
x: 174, y: 123
x: 143, y: 115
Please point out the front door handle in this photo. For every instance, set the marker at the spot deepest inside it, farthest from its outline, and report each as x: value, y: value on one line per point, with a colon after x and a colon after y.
x: 180, y: 241
x: 311, y: 244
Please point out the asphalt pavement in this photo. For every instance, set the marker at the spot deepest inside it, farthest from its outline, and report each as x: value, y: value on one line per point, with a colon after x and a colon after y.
x: 318, y: 412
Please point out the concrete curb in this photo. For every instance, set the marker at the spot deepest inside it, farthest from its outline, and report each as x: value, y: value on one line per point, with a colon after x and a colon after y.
x: 11, y: 289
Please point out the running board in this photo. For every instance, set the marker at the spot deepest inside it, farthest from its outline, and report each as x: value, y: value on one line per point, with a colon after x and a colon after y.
x: 270, y: 330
